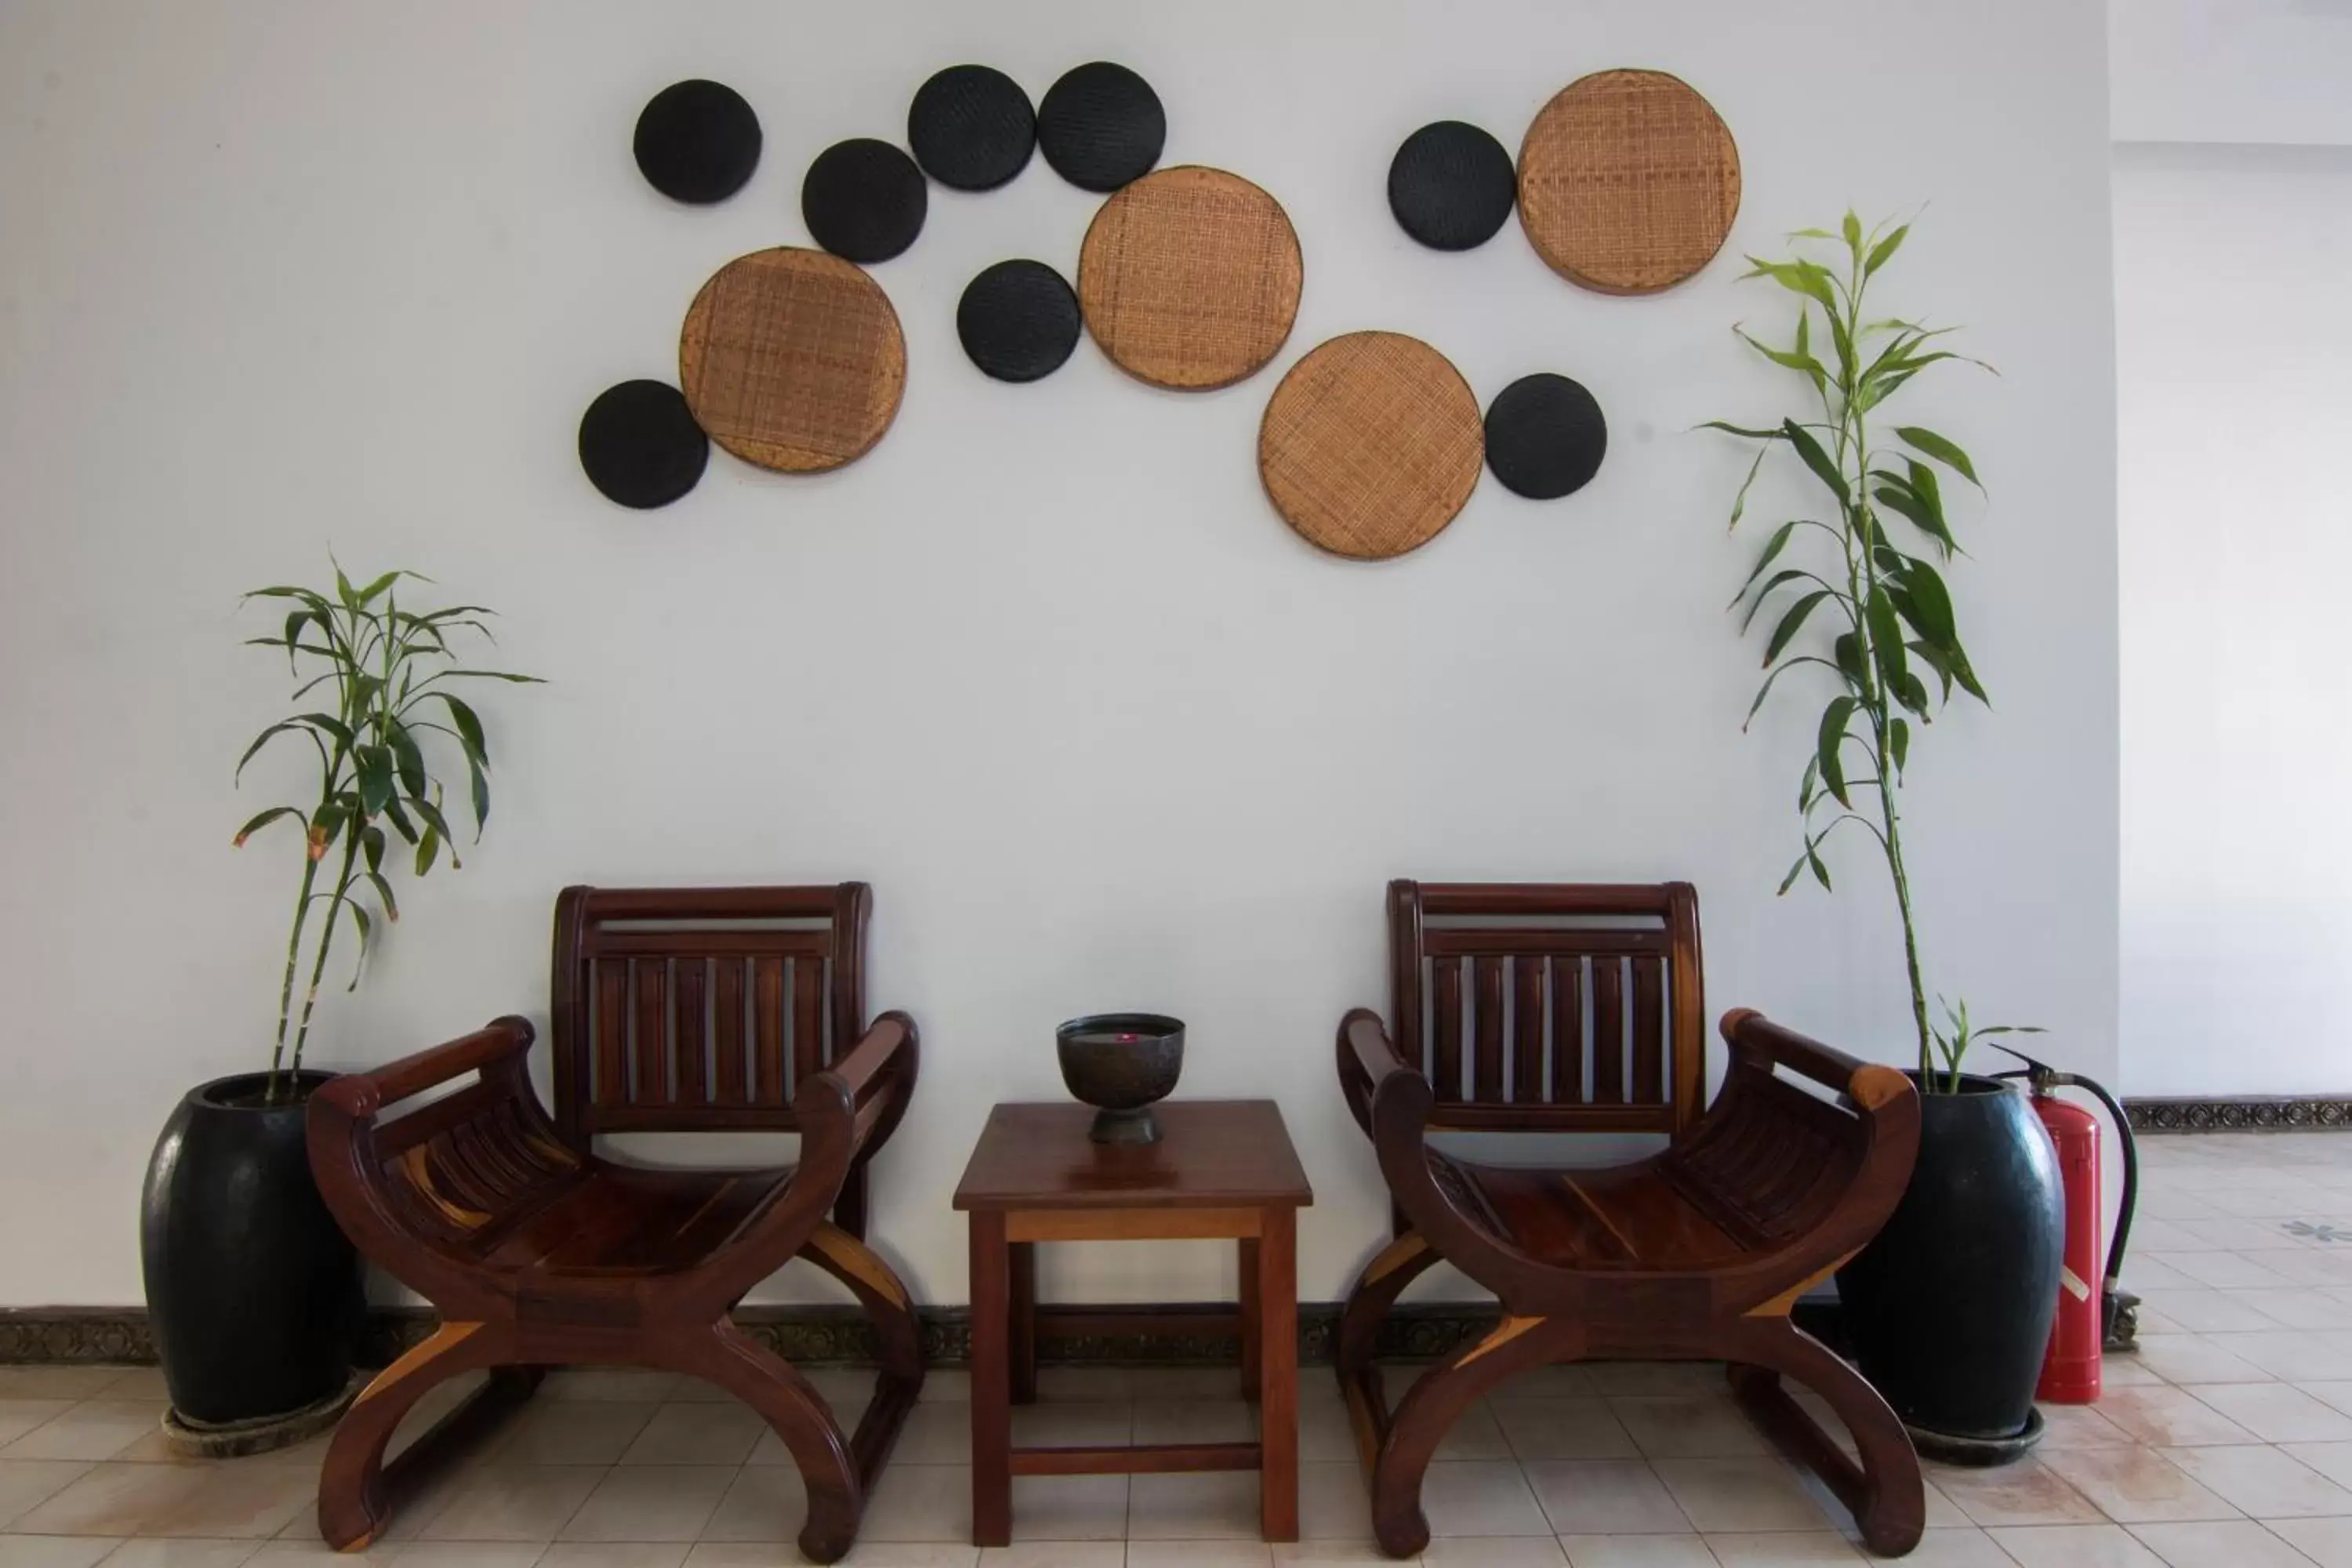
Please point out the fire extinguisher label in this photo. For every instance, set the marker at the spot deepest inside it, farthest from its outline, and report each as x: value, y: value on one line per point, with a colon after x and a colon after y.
x: 2073, y: 1284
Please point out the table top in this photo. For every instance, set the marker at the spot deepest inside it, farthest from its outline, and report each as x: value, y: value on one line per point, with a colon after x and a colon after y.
x: 1212, y: 1153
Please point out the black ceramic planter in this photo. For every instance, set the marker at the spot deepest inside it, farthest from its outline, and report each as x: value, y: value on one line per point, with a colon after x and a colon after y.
x: 253, y: 1291
x: 1949, y: 1309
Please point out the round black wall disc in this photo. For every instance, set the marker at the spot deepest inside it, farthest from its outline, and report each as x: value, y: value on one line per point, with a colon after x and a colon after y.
x: 640, y: 446
x: 1545, y: 436
x: 971, y: 128
x: 1018, y: 320
x: 1101, y: 126
x: 1451, y: 185
x: 864, y: 200
x: 697, y: 142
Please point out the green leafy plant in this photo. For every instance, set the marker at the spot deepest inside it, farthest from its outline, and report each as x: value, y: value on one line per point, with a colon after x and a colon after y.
x: 1877, y: 594
x: 384, y: 669
x: 1953, y: 1040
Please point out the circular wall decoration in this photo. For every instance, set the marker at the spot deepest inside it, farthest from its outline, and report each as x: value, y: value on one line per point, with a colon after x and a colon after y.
x: 971, y: 128
x: 1101, y: 126
x: 1545, y: 436
x: 1018, y: 320
x: 640, y: 445
x: 1371, y: 445
x: 1190, y: 278
x: 697, y: 142
x: 1628, y: 181
x: 792, y: 359
x: 864, y: 200
x: 1451, y: 185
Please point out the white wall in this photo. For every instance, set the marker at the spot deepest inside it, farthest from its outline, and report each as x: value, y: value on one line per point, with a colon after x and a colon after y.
x: 288, y: 274
x: 2247, y: 71
x: 2234, y: 338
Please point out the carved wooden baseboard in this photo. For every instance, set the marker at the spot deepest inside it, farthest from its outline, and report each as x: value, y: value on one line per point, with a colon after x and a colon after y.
x: 2319, y: 1113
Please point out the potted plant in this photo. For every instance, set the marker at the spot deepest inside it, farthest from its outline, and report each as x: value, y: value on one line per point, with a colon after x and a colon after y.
x: 253, y: 1293
x: 1948, y: 1310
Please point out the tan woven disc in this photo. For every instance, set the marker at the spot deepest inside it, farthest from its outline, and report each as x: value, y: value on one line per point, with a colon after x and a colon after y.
x: 792, y: 359
x: 1628, y: 181
x: 1371, y: 445
x: 1190, y: 278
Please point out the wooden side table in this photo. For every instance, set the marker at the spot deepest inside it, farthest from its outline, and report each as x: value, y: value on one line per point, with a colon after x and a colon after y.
x: 1221, y: 1168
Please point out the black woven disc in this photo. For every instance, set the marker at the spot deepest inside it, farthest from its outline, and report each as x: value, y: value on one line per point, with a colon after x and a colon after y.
x: 1545, y: 436
x: 640, y: 446
x: 697, y: 142
x: 864, y: 200
x: 1018, y: 320
x: 1451, y: 185
x: 971, y: 128
x: 1101, y: 126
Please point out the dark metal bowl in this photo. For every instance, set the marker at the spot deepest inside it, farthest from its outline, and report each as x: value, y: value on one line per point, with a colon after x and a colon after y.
x: 1120, y: 1063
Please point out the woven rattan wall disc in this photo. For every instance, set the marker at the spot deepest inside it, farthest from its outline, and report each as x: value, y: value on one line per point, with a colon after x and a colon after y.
x: 1371, y: 445
x: 1190, y: 278
x: 792, y: 359
x: 1628, y: 181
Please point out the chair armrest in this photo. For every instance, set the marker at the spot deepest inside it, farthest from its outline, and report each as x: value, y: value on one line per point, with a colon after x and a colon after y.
x: 862, y: 1094
x: 1366, y: 1058
x: 1869, y: 1085
x: 362, y: 1094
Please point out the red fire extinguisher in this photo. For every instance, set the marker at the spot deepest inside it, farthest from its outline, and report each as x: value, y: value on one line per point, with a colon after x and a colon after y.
x: 2090, y: 1300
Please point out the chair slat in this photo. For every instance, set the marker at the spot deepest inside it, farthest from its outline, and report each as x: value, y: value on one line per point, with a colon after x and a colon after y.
x: 612, y: 1027
x: 1526, y: 1030
x: 768, y: 1029
x: 689, y: 1048
x: 651, y: 1036
x: 1446, y: 1064
x: 808, y: 1020
x: 1487, y: 1023
x: 1608, y: 1032
x: 1568, y: 1031
x: 1649, y: 1030
x: 727, y: 1033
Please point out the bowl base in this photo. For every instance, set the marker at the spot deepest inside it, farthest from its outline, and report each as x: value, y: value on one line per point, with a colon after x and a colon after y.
x: 1125, y: 1127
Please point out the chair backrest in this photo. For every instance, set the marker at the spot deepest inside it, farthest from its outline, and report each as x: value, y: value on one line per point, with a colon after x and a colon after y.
x: 1551, y: 1006
x: 700, y: 1009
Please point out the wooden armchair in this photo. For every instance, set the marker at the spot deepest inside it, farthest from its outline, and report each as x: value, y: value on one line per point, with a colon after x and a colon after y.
x: 1565, y: 1008
x: 674, y: 1010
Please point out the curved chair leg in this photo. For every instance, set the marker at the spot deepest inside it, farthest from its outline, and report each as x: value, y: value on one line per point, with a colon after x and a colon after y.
x: 1430, y: 1408
x: 353, y: 1505
x: 837, y: 1497
x: 1886, y: 1492
x: 1393, y: 1267
x: 898, y: 1335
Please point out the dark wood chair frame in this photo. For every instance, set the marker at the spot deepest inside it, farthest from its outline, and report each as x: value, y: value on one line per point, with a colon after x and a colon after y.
x: 668, y: 1014
x: 1695, y: 1252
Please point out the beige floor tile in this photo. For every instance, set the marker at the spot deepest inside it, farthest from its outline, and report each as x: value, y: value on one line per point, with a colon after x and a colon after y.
x: 1089, y: 1508
x: 1333, y: 1506
x: 219, y: 1501
x: 2168, y: 1418
x: 1325, y: 1432
x: 1195, y: 1555
x: 2117, y: 1370
x: 1082, y: 1423
x: 2335, y: 1395
x: 946, y: 1385
x: 1307, y: 1553
x: 572, y: 1432
x: 651, y: 1503
x: 2333, y: 1461
x: 512, y: 1502
x: 1494, y: 1552
x: 1059, y: 1384
x: 1573, y: 1380
x: 1687, y: 1425
x: 1212, y: 1506
x: 294, y: 1551
x: 26, y: 1482
x: 1062, y: 1554
x: 2080, y: 1426
x: 2237, y: 1543
x: 2297, y: 1355
x: 637, y: 1385
x: 2232, y: 1270
x: 2299, y: 1307
x: 2027, y: 1492
x: 2264, y: 1482
x: 2201, y: 1308
x: 2137, y: 1486
x: 137, y: 1383
x: 1563, y: 1429
x: 1637, y: 1552
x: 1614, y: 1378
x: 1606, y: 1497
x: 1149, y: 1384
x: 867, y: 1553
x: 1159, y: 1421
x: 188, y: 1553
x: 764, y: 1502
x: 1740, y: 1495
x: 605, y: 1554
x: 54, y: 1551
x: 481, y: 1554
x: 1484, y: 1497
x: 1476, y: 1434
x: 696, y: 1435
x: 58, y: 1382
x: 1963, y: 1546
x: 2277, y: 1413
x: 2327, y: 1542
x: 1782, y: 1549
x: 840, y: 1386
x: 934, y: 1435
x: 2186, y: 1359
x: 19, y: 1416
x: 922, y: 1502
x: 770, y: 1450
x: 2074, y: 1546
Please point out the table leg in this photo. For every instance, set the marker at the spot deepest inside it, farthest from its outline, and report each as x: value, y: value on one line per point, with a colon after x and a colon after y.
x: 992, y: 1414
x: 1023, y: 1330
x: 1277, y: 1414
x: 1249, y: 1316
